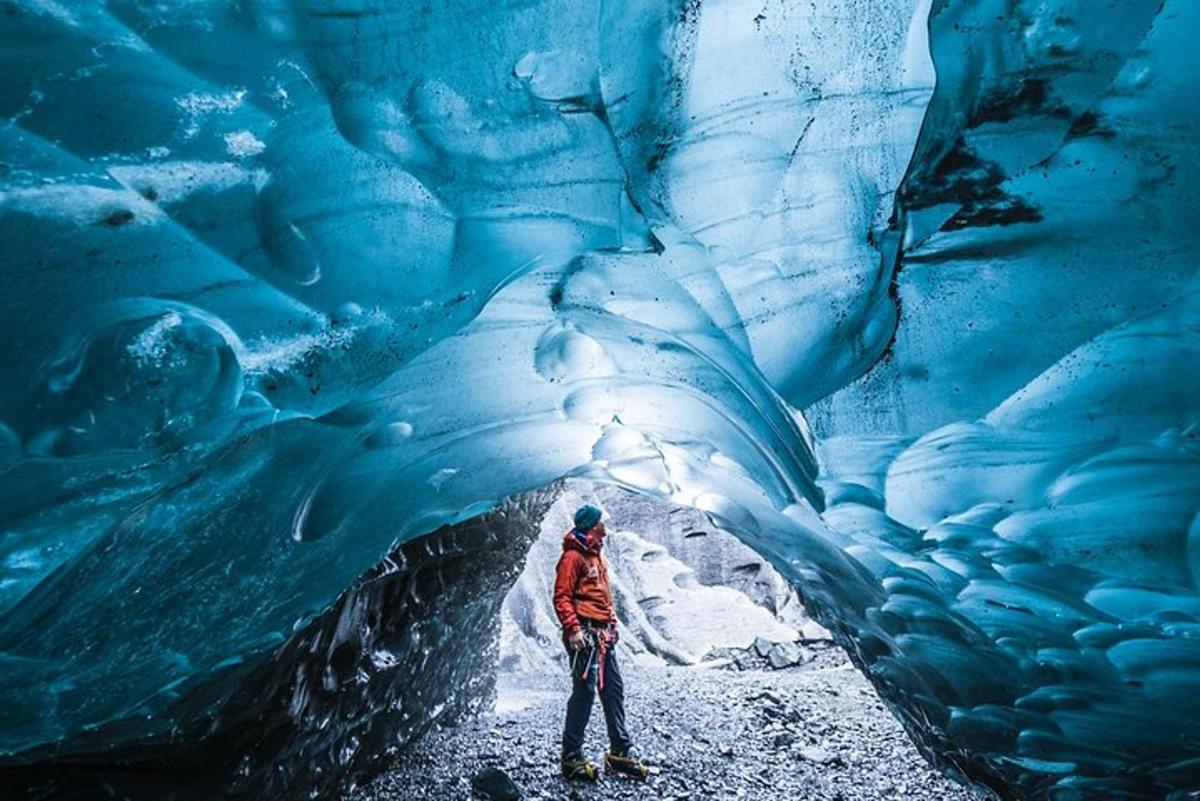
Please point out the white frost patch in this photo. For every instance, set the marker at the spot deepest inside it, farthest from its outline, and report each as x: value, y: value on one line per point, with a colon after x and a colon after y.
x: 441, y: 477
x: 55, y: 10
x: 279, y: 353
x: 197, y: 105
x: 28, y: 559
x: 150, y: 347
x: 242, y: 144
x: 173, y: 181
x: 384, y: 659
x: 83, y: 204
x: 279, y: 94
x: 282, y: 353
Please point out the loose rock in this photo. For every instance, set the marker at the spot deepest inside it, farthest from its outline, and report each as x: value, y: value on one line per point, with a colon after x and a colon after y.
x: 755, y: 735
x: 785, y: 654
x: 495, y: 785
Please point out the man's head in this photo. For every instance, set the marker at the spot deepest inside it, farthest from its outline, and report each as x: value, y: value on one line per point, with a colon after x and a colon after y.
x: 587, y: 517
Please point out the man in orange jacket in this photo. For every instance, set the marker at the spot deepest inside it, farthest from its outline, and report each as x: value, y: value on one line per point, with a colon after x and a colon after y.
x: 584, y: 605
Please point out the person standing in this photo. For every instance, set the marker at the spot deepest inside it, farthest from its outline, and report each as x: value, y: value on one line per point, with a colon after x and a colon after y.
x: 584, y: 606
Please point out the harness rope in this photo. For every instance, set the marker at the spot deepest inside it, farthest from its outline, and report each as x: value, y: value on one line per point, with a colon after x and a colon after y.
x: 600, y: 641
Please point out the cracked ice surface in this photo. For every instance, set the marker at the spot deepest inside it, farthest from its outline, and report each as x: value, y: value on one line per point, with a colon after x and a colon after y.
x: 289, y: 283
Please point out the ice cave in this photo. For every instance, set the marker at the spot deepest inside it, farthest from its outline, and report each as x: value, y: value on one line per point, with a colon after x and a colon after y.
x: 310, y: 304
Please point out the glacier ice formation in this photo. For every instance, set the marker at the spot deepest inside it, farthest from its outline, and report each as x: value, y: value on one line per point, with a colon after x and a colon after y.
x: 902, y: 292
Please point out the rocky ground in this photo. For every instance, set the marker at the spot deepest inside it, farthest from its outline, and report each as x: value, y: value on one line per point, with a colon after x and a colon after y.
x: 813, y: 731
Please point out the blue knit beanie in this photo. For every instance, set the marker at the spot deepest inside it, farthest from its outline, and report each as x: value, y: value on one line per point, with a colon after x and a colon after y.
x: 586, y: 517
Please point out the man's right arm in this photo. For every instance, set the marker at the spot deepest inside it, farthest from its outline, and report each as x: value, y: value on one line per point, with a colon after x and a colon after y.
x: 564, y: 592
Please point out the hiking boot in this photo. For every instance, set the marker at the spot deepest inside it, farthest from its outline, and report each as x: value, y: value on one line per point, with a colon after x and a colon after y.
x: 626, y: 764
x: 576, y: 768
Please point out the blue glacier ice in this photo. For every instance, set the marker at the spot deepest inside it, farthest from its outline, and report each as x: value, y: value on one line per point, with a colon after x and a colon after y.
x: 305, y: 301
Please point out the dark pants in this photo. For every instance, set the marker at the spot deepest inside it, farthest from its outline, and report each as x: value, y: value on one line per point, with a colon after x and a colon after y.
x: 583, y: 691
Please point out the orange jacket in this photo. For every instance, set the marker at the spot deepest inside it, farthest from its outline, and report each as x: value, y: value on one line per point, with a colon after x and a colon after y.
x: 581, y: 584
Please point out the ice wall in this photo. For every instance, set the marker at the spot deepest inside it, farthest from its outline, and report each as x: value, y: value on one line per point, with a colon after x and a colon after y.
x: 289, y: 283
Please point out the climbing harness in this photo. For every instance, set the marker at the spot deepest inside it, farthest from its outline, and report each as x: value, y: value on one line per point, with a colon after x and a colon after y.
x: 581, y: 666
x: 599, y: 641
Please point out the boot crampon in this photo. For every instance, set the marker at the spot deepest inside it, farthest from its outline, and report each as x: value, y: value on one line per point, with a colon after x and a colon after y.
x: 625, y: 765
x: 576, y: 768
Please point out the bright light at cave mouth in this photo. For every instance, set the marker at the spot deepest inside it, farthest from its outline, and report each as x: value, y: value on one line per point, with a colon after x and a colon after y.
x: 307, y: 302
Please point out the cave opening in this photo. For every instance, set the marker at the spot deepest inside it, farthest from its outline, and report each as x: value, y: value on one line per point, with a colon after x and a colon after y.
x: 730, y: 686
x: 452, y: 638
x: 453, y: 633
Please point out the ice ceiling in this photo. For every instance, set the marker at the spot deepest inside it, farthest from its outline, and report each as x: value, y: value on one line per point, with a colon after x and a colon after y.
x: 287, y: 283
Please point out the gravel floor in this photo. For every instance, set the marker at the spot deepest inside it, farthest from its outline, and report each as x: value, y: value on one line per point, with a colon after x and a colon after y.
x: 810, y: 732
